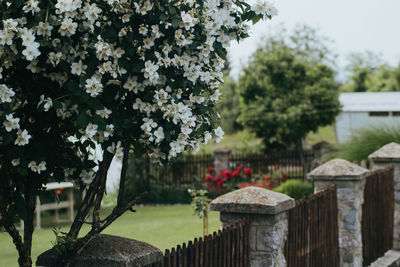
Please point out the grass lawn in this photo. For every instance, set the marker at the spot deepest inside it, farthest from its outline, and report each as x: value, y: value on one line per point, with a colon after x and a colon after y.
x: 161, y: 226
x: 326, y: 133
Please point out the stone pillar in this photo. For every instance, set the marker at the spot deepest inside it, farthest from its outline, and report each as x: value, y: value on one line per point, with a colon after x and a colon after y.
x: 267, y: 214
x: 349, y: 179
x: 387, y: 155
x: 108, y: 250
x: 221, y: 159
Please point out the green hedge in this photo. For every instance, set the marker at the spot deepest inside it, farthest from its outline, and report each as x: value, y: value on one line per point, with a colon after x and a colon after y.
x: 295, y: 188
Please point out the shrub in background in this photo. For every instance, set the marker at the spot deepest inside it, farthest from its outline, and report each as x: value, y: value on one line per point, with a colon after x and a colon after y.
x: 295, y: 188
x: 366, y: 141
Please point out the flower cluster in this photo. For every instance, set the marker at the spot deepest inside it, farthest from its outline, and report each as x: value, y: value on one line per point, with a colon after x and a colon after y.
x: 117, y: 73
x: 226, y: 180
x: 241, y: 177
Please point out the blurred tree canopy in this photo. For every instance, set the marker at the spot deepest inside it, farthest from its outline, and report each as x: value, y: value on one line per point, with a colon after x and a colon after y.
x: 288, y: 89
x: 228, y: 107
x: 368, y: 73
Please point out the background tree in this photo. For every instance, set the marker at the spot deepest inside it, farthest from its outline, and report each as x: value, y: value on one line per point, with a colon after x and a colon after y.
x: 369, y: 73
x: 228, y: 106
x: 286, y: 94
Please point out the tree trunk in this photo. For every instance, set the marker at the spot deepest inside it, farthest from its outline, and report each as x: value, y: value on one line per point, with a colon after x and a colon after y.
x: 300, y: 151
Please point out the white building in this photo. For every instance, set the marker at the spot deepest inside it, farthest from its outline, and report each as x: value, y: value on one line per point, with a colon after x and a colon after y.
x: 362, y: 110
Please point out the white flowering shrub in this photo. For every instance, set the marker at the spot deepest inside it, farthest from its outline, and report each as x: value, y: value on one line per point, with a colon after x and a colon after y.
x: 124, y: 74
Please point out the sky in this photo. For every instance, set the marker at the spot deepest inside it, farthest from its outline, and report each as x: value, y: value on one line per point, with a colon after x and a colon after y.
x: 353, y: 25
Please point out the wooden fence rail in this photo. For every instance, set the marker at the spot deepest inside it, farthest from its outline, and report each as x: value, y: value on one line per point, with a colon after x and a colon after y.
x: 189, y: 169
x: 377, y: 214
x: 313, y: 231
x: 227, y: 248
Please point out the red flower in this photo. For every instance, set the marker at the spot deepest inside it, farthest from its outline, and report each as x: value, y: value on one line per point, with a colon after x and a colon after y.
x: 210, y: 170
x: 235, y: 173
x: 209, y: 179
x: 219, y: 181
x: 247, y: 171
x: 267, y: 178
x: 226, y: 174
x: 283, y: 177
x: 239, y: 168
x: 270, y: 185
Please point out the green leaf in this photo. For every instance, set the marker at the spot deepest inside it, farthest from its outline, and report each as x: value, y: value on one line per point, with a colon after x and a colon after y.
x: 83, y: 120
x: 256, y: 19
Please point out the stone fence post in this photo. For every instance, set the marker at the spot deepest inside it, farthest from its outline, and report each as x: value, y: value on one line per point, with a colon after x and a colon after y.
x: 349, y: 179
x: 221, y: 159
x: 387, y: 155
x: 267, y: 215
x: 109, y: 251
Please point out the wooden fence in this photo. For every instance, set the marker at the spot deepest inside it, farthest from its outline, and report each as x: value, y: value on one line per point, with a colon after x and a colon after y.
x: 288, y: 163
x: 189, y: 169
x: 227, y: 248
x: 377, y: 212
x: 313, y: 231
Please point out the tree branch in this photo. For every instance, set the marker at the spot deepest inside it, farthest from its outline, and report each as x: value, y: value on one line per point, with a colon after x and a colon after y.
x: 107, y: 158
x: 64, y: 260
x: 30, y: 204
x: 123, y: 177
x: 23, y: 259
x: 87, y: 202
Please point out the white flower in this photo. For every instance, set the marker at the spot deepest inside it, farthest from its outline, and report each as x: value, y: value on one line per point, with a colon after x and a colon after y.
x: 32, y: 165
x: 27, y: 37
x: 55, y: 58
x: 48, y: 103
x: 15, y: 162
x: 44, y: 29
x: 87, y: 177
x: 68, y: 5
x: 207, y: 137
x: 41, y: 167
x: 117, y: 150
x: 93, y: 86
x: 150, y: 71
x: 36, y: 168
x: 104, y: 113
x: 219, y: 133
x: 272, y: 10
x: 31, y: 6
x: 68, y: 27
x: 262, y: 7
x: 22, y: 138
x: 10, y: 24
x: 6, y: 37
x: 91, y: 130
x: 159, y: 134
x: 78, y: 68
x: 31, y: 51
x: 130, y: 83
x: 11, y: 123
x: 5, y: 94
x: 187, y: 19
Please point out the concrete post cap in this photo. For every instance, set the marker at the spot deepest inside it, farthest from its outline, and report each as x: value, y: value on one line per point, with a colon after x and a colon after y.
x: 253, y: 200
x: 108, y: 250
x: 389, y: 152
x: 338, y: 169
